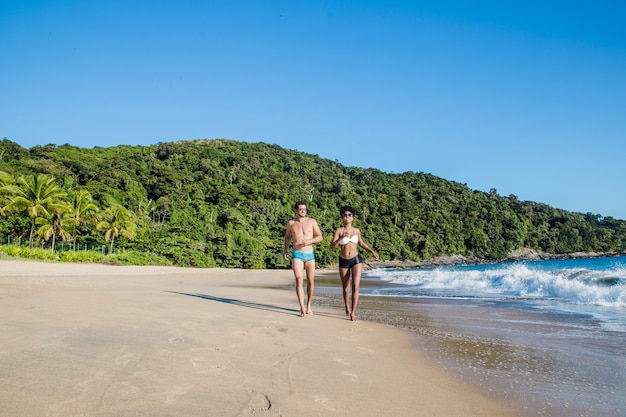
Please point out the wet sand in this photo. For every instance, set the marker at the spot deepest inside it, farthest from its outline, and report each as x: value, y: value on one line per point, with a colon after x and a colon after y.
x: 97, y: 340
x: 538, y: 363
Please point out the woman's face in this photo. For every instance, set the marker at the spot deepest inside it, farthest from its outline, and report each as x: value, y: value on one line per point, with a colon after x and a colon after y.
x: 347, y: 217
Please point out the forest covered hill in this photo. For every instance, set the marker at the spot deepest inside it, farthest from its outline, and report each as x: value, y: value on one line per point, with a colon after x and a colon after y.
x: 225, y: 203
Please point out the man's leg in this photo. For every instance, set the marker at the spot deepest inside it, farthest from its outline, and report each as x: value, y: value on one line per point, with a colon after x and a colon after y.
x: 310, y: 284
x: 298, y: 271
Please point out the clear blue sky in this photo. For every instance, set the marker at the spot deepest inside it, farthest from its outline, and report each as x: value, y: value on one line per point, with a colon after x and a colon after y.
x: 527, y: 97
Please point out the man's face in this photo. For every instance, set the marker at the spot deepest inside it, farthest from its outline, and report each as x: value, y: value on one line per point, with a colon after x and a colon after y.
x: 302, y: 211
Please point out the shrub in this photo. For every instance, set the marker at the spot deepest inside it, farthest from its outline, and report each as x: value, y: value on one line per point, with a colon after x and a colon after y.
x: 136, y: 258
x: 30, y: 253
x: 81, y: 256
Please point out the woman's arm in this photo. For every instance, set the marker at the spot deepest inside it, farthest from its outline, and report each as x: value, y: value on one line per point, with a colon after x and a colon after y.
x: 364, y: 246
x: 336, y: 238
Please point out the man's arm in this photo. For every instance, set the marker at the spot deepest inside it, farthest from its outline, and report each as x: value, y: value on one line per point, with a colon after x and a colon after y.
x: 288, y: 234
x: 317, y: 233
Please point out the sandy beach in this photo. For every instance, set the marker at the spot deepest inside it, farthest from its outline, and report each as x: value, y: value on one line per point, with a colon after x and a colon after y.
x: 98, y: 340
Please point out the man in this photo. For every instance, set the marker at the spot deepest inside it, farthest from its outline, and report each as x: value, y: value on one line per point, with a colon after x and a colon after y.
x: 304, y: 232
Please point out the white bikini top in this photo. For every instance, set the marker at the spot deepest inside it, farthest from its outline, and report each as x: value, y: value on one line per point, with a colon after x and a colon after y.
x: 353, y: 239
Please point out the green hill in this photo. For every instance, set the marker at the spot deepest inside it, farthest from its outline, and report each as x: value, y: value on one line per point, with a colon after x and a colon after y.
x: 225, y: 203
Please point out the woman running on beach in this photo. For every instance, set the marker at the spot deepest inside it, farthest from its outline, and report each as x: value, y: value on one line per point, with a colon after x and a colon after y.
x: 350, y: 262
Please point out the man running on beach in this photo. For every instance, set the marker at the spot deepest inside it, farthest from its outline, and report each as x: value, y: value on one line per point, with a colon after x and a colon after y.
x: 304, y: 232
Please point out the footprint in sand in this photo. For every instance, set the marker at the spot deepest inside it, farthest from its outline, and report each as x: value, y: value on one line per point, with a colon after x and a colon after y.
x: 124, y: 359
x: 99, y: 376
x: 345, y: 335
x: 355, y: 377
x: 212, y: 369
x: 128, y: 390
x: 259, y: 402
x: 322, y: 401
x: 348, y: 339
x: 170, y: 396
x: 341, y: 361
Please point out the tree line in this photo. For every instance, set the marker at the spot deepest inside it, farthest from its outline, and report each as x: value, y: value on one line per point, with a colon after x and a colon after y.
x: 51, y: 212
x: 225, y: 203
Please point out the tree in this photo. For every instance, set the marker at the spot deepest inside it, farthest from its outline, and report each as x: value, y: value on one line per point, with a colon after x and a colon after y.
x: 59, y: 223
x: 147, y: 210
x: 117, y: 220
x: 82, y: 210
x: 36, y: 195
x: 5, y: 190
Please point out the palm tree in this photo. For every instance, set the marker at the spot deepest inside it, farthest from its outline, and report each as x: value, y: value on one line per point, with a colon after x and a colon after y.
x: 5, y: 190
x: 35, y: 195
x: 83, y: 209
x: 117, y: 220
x: 60, y: 223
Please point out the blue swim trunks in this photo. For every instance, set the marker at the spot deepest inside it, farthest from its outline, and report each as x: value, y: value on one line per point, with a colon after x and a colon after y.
x: 303, y: 256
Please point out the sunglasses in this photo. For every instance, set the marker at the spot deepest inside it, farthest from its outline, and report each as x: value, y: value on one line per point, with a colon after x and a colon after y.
x: 347, y: 215
x: 302, y: 209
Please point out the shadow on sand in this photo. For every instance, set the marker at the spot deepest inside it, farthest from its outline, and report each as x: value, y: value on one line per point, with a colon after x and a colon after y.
x: 249, y: 304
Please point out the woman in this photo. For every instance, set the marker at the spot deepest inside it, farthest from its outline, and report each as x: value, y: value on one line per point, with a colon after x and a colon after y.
x: 350, y: 262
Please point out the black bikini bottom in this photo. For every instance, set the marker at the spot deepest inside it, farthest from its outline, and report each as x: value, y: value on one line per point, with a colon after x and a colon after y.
x: 349, y: 263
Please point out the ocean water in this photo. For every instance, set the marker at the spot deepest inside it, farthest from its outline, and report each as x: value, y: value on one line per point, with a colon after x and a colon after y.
x: 548, y: 337
x: 593, y: 286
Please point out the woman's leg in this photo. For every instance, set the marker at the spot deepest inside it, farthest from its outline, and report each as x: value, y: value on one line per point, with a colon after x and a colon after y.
x: 356, y: 285
x: 344, y: 274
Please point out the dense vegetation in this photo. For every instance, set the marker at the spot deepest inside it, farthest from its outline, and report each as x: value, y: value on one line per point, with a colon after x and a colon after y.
x: 225, y: 203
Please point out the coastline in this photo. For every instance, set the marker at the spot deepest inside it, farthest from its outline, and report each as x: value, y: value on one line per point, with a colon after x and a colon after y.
x: 520, y: 255
x: 91, y: 339
x: 540, y: 355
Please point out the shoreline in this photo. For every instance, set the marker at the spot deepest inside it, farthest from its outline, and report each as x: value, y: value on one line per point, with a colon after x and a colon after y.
x: 520, y: 255
x: 91, y: 339
x: 537, y: 357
